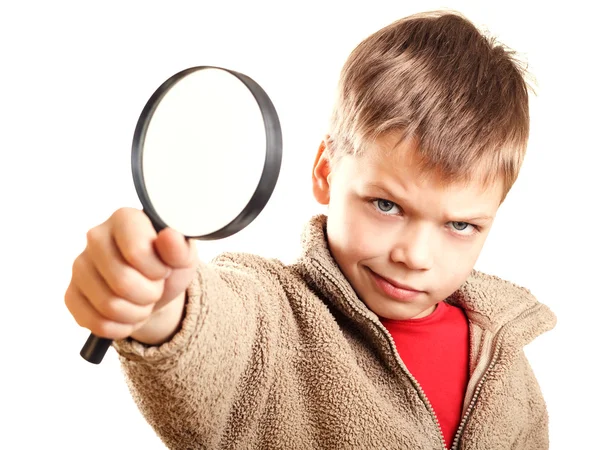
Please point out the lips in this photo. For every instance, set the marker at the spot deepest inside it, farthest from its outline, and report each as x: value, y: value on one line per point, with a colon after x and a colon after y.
x: 393, y: 289
x: 396, y: 284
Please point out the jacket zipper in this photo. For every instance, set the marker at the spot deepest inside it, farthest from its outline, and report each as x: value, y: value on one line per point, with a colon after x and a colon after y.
x: 411, y: 377
x: 397, y: 358
x: 467, y: 415
x: 491, y: 365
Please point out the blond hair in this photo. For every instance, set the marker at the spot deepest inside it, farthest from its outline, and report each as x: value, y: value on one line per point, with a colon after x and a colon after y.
x: 435, y: 77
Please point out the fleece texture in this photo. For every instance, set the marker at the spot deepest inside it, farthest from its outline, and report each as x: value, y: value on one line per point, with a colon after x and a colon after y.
x: 275, y: 356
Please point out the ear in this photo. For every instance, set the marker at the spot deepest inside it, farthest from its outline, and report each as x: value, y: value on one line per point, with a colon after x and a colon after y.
x: 320, y: 175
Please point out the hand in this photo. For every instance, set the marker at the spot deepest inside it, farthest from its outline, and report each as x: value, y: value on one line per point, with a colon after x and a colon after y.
x: 129, y: 281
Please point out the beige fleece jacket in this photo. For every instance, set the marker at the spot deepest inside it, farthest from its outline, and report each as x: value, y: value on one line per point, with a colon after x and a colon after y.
x: 275, y: 356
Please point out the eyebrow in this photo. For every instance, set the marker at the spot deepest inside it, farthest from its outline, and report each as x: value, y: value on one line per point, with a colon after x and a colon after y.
x: 400, y: 199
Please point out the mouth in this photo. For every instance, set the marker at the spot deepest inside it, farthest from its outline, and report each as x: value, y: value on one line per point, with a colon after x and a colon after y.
x: 393, y: 289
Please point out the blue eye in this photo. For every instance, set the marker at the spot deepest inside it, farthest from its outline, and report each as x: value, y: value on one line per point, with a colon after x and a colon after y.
x: 460, y: 226
x: 385, y: 206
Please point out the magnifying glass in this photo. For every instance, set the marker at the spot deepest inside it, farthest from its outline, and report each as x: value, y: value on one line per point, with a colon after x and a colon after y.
x: 205, y: 158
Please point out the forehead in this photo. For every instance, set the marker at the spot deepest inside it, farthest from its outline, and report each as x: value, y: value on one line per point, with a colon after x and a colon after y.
x: 392, y: 166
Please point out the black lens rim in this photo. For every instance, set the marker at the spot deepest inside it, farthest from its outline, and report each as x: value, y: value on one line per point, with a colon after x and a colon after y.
x: 271, y: 167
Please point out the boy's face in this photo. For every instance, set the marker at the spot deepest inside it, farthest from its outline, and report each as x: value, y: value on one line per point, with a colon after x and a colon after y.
x: 387, y: 229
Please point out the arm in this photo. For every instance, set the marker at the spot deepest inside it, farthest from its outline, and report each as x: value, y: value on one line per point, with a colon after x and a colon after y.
x: 186, y: 387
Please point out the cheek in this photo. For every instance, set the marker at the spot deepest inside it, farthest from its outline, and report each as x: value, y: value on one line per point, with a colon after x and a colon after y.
x: 456, y: 263
x: 349, y: 237
x: 352, y: 233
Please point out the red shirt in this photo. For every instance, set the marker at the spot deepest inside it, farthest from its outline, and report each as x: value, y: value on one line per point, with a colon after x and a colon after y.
x: 435, y: 349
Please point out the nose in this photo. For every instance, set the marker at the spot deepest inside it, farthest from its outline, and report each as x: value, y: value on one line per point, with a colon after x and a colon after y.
x: 414, y: 247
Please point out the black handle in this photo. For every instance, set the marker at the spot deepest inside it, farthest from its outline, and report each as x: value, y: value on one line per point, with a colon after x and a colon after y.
x: 95, y: 348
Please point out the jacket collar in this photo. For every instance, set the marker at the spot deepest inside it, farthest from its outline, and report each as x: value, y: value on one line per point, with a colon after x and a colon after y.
x: 489, y: 302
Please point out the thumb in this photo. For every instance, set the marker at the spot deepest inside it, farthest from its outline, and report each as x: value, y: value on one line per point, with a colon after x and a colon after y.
x: 174, y: 249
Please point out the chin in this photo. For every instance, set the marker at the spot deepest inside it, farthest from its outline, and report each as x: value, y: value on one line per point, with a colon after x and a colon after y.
x: 392, y: 310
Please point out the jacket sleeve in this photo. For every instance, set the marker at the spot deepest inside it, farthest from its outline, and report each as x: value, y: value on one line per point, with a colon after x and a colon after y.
x: 535, y: 435
x: 186, y: 387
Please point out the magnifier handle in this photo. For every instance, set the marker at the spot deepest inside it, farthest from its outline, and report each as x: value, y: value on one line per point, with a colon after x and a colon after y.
x: 95, y: 348
x: 157, y: 227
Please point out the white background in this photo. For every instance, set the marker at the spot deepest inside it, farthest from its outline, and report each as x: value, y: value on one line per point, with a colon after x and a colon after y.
x: 74, y: 78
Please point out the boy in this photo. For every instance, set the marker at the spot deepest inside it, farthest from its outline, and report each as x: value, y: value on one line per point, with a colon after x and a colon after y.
x: 381, y: 335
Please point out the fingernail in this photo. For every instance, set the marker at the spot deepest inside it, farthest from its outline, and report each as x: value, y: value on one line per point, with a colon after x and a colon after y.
x: 168, y: 274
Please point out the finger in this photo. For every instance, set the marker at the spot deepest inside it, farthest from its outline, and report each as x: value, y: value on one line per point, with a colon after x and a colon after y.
x: 134, y: 235
x: 174, y: 249
x: 91, y: 284
x: 123, y: 280
x: 175, y: 285
x: 87, y: 317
